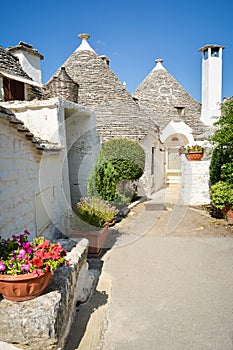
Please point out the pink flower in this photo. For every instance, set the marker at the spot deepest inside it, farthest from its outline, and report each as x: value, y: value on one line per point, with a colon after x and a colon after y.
x: 22, y: 253
x: 2, y: 266
x: 25, y: 267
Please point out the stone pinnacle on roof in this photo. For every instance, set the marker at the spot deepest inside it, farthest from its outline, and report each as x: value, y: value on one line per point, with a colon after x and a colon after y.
x: 84, y: 44
x: 159, y: 64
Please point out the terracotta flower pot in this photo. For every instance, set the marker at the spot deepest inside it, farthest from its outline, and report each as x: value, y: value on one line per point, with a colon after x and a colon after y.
x: 194, y: 156
x: 228, y: 214
x: 23, y: 287
x: 96, y: 239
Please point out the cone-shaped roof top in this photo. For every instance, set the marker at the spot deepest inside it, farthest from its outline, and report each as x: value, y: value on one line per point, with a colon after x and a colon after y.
x: 117, y: 113
x: 161, y: 95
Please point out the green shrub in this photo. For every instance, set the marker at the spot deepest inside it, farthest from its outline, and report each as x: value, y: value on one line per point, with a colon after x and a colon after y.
x: 220, y: 156
x: 227, y: 173
x: 221, y: 194
x: 119, y: 159
x: 223, y: 143
x: 95, y: 211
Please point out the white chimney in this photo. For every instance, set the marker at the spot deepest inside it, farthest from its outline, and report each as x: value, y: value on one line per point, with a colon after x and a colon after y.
x: 29, y: 58
x: 211, y: 83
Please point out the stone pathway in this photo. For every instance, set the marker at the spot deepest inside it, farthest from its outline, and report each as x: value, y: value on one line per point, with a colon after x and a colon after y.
x: 166, y: 284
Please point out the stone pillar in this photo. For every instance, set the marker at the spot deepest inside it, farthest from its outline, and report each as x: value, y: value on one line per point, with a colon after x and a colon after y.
x: 195, y: 182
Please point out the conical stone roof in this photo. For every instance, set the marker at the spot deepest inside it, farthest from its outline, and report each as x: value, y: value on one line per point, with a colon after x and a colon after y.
x: 62, y: 85
x: 117, y: 113
x: 163, y: 97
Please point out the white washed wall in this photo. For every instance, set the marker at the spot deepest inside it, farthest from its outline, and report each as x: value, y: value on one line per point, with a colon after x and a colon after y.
x: 63, y: 124
x: 150, y: 183
x: 19, y: 164
x: 30, y: 64
x: 82, y: 146
x: 32, y: 187
x: 195, y: 182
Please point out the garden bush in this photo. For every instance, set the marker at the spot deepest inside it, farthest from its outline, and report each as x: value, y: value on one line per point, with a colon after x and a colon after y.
x: 119, y: 160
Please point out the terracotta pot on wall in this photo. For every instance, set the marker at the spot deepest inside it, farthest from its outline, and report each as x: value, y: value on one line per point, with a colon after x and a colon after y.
x: 194, y: 156
x: 23, y: 287
x: 96, y: 239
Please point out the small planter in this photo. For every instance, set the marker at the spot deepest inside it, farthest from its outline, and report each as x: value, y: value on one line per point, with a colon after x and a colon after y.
x: 23, y: 287
x: 228, y: 214
x: 194, y: 156
x: 96, y: 239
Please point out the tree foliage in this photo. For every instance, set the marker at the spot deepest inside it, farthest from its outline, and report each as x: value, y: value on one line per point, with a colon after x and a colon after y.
x: 119, y: 159
x: 223, y: 142
x: 221, y: 166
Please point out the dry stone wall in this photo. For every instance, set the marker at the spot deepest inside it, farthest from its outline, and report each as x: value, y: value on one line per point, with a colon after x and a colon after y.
x: 44, y: 322
x: 195, y: 182
x: 117, y: 114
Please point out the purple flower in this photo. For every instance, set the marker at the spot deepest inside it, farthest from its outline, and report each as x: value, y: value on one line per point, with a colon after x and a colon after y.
x: 22, y: 253
x: 26, y: 246
x: 2, y: 266
x: 25, y: 267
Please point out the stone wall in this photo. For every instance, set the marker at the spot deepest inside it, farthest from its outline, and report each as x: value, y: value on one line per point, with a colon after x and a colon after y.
x: 82, y: 146
x: 19, y: 162
x: 33, y: 188
x: 61, y: 126
x: 195, y: 182
x: 44, y: 322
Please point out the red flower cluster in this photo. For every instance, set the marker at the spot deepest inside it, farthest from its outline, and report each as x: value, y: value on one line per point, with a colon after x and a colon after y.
x: 19, y: 256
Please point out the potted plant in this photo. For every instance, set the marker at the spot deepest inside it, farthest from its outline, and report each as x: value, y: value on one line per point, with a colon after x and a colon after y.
x: 26, y: 268
x: 222, y: 198
x: 92, y: 219
x: 194, y: 152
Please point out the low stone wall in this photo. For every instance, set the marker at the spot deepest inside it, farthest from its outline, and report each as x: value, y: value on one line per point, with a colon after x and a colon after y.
x: 44, y: 322
x: 195, y: 182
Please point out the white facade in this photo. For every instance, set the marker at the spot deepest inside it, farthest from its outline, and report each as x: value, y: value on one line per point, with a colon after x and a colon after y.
x: 30, y: 64
x: 20, y: 185
x: 211, y: 83
x: 45, y: 179
x: 195, y: 182
x: 153, y: 177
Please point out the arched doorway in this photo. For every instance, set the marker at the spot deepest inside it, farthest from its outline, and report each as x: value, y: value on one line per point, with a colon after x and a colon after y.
x: 173, y: 160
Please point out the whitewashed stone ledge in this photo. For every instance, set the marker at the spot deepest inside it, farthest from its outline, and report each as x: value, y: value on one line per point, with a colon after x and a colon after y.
x: 44, y: 322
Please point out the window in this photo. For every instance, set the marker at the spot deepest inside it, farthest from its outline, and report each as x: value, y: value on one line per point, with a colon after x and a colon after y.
x: 214, y: 52
x: 152, y: 160
x: 13, y: 90
x: 180, y: 110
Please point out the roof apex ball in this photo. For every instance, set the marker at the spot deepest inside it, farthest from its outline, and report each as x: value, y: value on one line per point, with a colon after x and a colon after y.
x: 159, y: 60
x: 84, y: 36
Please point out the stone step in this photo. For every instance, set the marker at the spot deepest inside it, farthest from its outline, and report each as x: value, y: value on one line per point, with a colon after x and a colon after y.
x: 151, y: 205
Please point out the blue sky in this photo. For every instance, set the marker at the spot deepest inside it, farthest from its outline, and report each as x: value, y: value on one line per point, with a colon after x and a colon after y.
x: 131, y: 33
